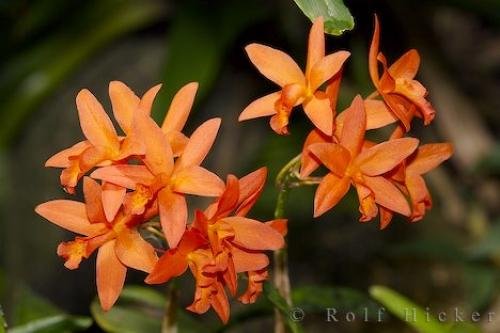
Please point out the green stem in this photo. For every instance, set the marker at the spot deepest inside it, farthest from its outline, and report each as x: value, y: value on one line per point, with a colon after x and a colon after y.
x: 284, y: 181
x: 169, y: 322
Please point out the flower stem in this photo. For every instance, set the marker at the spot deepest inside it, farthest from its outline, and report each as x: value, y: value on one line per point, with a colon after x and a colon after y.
x: 169, y: 322
x: 285, y: 180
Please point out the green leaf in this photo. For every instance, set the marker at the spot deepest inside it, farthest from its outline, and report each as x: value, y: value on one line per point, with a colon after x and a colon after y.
x: 59, y: 323
x: 480, y: 283
x: 280, y: 303
x: 139, y: 309
x: 319, y: 298
x: 3, y: 324
x: 464, y: 328
x: 29, y: 306
x: 402, y: 308
x: 337, y: 17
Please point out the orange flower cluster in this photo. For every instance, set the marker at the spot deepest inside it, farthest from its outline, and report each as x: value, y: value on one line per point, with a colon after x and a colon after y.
x: 387, y: 176
x: 145, y: 173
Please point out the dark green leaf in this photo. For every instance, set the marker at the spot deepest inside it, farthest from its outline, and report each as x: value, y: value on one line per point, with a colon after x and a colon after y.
x: 319, y: 298
x: 138, y: 310
x: 280, y: 303
x: 337, y: 17
x: 59, y: 323
x: 464, y: 328
x: 399, y: 306
x: 480, y: 283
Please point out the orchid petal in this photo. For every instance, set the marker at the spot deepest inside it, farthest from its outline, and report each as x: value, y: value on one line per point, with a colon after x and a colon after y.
x: 124, y: 102
x: 95, y: 123
x: 276, y: 65
x: 261, y: 107
x: 173, y: 216
x: 180, y: 107
x: 330, y: 191
x: 110, y: 275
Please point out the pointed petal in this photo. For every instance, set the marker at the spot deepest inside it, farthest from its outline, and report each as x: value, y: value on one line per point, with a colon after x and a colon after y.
x: 199, y: 144
x: 173, y: 216
x: 124, y: 102
x: 372, y: 58
x: 62, y: 158
x: 254, y: 235
x: 428, y: 157
x: 330, y: 191
x: 133, y: 251
x: 308, y: 162
x: 179, y: 108
x: 406, y: 66
x: 316, y: 44
x: 385, y: 217
x: 92, y: 193
x: 198, y: 181
x: 353, y: 131
x: 220, y: 304
x: 250, y: 188
x: 110, y: 275
x: 171, y: 264
x: 276, y: 65
x: 95, y: 123
x: 159, y: 157
x: 146, y: 102
x: 124, y: 175
x: 335, y: 157
x: 378, y: 114
x: 388, y: 195
x: 333, y: 89
x: 327, y: 68
x: 245, y: 261
x: 262, y: 107
x: 112, y: 199
x: 280, y: 225
x: 319, y: 112
x: 385, y: 156
x: 228, y: 200
x: 402, y: 108
x: 70, y: 215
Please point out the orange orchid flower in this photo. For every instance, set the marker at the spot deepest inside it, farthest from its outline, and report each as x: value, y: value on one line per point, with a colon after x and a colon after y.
x: 297, y: 87
x: 402, y: 94
x: 163, y: 180
x: 103, y: 145
x: 118, y: 242
x: 377, y: 116
x: 426, y: 158
x: 349, y: 163
x: 218, y: 246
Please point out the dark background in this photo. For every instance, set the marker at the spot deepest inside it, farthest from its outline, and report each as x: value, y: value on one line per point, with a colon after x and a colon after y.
x: 52, y: 49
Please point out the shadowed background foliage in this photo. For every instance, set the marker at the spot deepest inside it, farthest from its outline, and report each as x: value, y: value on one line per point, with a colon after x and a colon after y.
x: 52, y: 49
